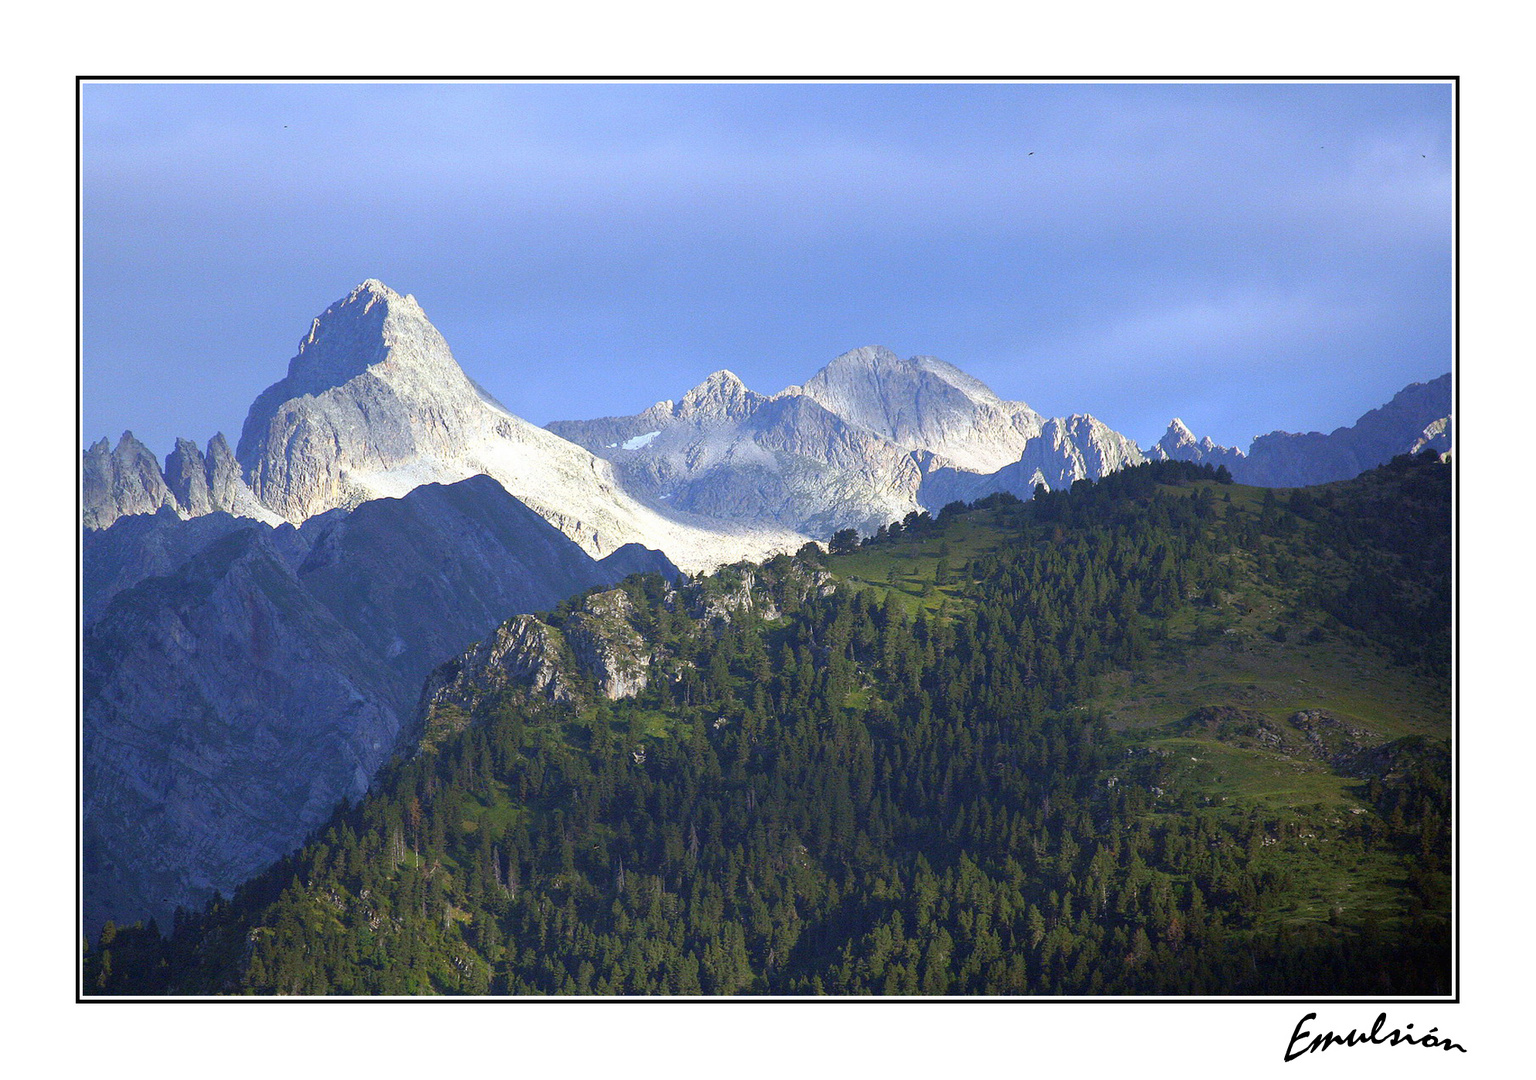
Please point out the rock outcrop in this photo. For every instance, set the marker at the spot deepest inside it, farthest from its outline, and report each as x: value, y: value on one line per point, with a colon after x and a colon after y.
x: 523, y: 653
x: 609, y: 646
x: 600, y: 647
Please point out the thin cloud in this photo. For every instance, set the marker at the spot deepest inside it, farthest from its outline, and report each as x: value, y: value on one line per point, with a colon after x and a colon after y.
x: 585, y: 247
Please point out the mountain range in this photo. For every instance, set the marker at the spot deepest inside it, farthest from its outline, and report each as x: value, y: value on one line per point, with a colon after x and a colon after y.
x: 258, y: 623
x: 867, y: 440
x: 240, y: 680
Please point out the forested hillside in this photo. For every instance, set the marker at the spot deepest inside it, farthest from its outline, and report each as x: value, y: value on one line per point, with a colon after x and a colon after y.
x: 1160, y: 734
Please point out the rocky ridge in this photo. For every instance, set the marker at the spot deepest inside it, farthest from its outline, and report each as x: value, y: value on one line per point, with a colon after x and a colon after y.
x: 1419, y: 417
x: 1180, y: 444
x: 240, y: 679
x: 128, y: 480
x: 867, y: 440
x: 374, y: 404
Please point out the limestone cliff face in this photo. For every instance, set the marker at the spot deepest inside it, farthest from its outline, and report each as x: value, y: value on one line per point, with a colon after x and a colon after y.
x: 186, y: 475
x: 599, y: 645
x: 608, y: 644
x: 373, y: 386
x: 523, y: 653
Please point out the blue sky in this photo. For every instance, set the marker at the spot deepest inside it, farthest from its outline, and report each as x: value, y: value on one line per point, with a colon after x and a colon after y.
x: 1244, y: 256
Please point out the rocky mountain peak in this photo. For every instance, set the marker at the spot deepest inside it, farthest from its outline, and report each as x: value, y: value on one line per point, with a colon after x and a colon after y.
x: 186, y: 474
x: 872, y: 357
x: 879, y: 367
x: 371, y: 325
x: 923, y: 403
x: 124, y: 480
x: 1179, y: 444
x: 129, y: 481
x: 1177, y: 438
x: 722, y: 396
x: 373, y: 385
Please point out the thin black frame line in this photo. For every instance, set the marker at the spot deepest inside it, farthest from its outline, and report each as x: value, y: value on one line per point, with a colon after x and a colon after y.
x: 79, y: 543
x: 1455, y: 83
x: 889, y: 80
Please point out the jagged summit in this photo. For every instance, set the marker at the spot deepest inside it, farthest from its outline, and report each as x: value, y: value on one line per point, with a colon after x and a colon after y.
x: 124, y: 480
x: 1179, y: 444
x: 128, y: 480
x: 720, y: 396
x: 375, y: 405
x: 371, y: 327
x: 373, y: 385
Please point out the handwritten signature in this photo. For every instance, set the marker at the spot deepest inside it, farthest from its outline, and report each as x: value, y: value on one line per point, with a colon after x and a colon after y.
x: 1300, y: 1043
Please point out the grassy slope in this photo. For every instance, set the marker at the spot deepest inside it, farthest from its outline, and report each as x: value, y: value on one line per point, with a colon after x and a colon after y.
x: 1227, y: 654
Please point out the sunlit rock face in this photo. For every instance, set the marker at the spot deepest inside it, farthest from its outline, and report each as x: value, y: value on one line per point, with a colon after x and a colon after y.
x: 119, y: 481
x: 925, y: 404
x: 1180, y: 444
x: 375, y: 404
x: 865, y: 441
